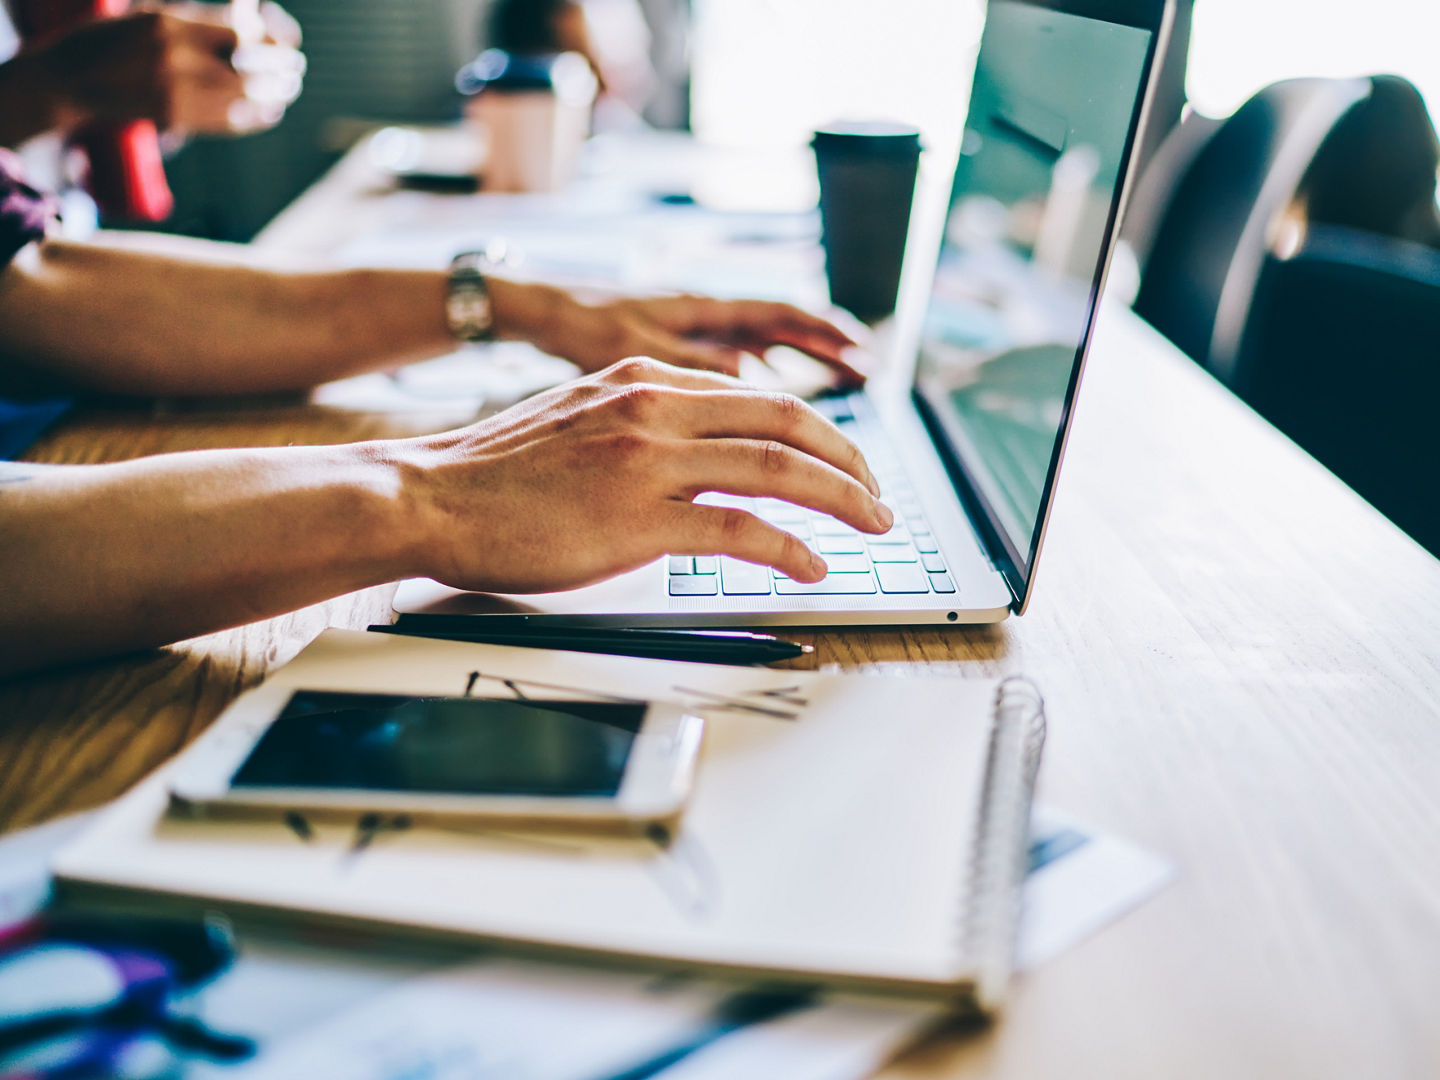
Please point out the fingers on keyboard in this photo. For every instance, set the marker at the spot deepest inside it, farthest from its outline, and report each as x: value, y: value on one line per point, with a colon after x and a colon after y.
x: 903, y: 560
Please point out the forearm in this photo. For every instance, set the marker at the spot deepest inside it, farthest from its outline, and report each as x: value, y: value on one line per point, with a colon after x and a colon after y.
x: 166, y: 318
x: 150, y: 323
x: 200, y: 319
x: 572, y: 486
x: 98, y: 560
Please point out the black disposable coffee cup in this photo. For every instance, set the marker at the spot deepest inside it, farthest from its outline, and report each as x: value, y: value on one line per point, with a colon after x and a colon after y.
x: 867, y: 182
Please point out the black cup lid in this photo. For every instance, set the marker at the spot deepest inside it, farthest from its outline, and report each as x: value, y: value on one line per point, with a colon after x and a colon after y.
x: 499, y: 70
x: 566, y: 75
x: 867, y: 137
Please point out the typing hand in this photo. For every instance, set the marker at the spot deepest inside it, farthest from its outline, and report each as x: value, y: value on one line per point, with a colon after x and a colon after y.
x: 599, y: 477
x: 688, y: 331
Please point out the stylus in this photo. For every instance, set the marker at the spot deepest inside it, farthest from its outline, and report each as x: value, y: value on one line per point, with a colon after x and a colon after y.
x: 696, y: 646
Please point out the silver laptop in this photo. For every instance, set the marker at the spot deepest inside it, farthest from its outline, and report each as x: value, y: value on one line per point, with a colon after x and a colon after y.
x: 966, y: 428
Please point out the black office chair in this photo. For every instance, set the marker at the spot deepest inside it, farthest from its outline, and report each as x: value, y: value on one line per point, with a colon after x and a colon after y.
x: 1343, y: 355
x: 1206, y: 209
x: 1334, y: 338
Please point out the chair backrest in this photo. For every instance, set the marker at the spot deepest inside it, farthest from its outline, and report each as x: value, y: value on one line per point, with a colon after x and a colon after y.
x: 1209, y: 243
x: 1342, y: 356
x: 1162, y: 174
x: 1377, y: 169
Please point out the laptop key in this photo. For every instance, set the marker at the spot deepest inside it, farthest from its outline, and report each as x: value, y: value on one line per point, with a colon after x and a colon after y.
x: 927, y: 545
x: 829, y: 585
x: 694, y: 585
x: 705, y: 564
x: 933, y: 563
x: 743, y: 579
x: 898, y: 534
x: 892, y: 553
x: 902, y: 578
x: 682, y: 564
x: 828, y: 526
x: 942, y: 583
x: 847, y: 564
x: 840, y: 545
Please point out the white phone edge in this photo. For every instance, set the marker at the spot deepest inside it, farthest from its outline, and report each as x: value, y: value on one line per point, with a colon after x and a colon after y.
x: 659, y: 774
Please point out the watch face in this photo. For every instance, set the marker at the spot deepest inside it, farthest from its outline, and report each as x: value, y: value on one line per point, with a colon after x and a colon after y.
x: 471, y: 306
x: 468, y: 310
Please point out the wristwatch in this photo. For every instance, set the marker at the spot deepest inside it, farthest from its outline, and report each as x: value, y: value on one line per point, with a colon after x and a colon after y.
x: 468, y: 311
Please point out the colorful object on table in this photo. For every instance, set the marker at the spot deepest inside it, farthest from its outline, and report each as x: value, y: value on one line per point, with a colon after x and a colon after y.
x: 126, y: 174
x: 89, y: 996
x: 25, y: 214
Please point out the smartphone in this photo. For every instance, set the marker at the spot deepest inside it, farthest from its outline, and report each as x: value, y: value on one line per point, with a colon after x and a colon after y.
x: 582, y: 762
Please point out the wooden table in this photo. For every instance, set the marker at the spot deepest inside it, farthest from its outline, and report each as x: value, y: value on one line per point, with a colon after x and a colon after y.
x: 1242, y: 664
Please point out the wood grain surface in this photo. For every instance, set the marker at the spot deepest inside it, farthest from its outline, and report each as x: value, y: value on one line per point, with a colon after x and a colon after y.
x: 1241, y: 661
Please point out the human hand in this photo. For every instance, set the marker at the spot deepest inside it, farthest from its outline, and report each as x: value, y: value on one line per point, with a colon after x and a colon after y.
x: 185, y: 67
x: 599, y: 477
x: 688, y: 331
x: 277, y: 26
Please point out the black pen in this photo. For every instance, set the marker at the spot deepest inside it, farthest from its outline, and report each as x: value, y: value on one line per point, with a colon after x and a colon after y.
x: 734, y: 1013
x: 696, y: 646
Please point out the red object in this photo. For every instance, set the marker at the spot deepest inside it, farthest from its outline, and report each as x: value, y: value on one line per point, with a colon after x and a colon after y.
x: 126, y: 173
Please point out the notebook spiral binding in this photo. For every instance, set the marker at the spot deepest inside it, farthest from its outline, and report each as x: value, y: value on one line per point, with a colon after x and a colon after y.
x: 997, y: 868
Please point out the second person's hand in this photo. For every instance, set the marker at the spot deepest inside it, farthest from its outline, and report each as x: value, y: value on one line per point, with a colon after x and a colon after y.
x: 176, y: 66
x: 600, y: 476
x: 688, y: 331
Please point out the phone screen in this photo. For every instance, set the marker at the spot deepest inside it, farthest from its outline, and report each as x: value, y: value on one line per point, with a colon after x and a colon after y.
x: 451, y: 746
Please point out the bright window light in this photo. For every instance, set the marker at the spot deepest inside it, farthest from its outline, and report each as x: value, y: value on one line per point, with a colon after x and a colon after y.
x: 768, y: 72
x: 1239, y: 46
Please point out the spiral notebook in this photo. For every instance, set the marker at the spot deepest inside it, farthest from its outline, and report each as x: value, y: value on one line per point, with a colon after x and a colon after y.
x: 844, y: 829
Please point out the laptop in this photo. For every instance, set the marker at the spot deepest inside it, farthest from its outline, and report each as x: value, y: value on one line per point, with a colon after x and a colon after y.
x: 965, y: 428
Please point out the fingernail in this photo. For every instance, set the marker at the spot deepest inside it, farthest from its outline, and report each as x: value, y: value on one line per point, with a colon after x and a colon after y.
x: 819, y: 565
x: 884, y: 515
x: 872, y: 483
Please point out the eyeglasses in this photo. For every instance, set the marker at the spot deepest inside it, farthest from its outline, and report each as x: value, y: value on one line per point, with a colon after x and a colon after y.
x: 84, y: 996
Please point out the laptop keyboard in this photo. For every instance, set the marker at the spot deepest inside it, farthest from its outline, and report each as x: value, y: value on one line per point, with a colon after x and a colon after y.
x: 906, y: 560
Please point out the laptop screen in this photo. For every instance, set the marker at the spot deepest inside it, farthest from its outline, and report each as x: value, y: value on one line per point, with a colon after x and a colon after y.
x: 1052, y: 115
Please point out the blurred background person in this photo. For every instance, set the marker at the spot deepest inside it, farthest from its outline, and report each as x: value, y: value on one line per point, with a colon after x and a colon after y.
x: 368, y: 63
x: 87, y: 94
x: 638, y: 51
x: 175, y: 66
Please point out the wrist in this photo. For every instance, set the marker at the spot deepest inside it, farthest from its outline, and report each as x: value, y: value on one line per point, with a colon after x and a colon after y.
x: 387, y: 532
x: 527, y: 311
x: 408, y: 523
